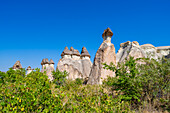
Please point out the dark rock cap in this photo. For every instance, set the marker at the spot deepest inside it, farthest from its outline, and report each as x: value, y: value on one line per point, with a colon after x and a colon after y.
x: 74, y: 51
x: 46, y: 61
x: 29, y: 68
x: 66, y: 51
x: 17, y: 65
x: 42, y: 62
x: 107, y: 32
x: 84, y: 52
x: 51, y: 62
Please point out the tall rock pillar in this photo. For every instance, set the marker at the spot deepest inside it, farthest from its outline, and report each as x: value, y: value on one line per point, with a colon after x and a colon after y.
x: 105, y: 54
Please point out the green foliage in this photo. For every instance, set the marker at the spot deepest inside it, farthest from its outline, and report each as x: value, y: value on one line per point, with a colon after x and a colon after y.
x: 31, y: 93
x: 145, y: 85
x: 79, y: 81
x: 145, y: 80
x: 155, y: 79
x: 126, y: 81
x: 59, y: 77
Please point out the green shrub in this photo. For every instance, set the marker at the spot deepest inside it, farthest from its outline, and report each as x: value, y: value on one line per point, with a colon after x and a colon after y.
x: 59, y: 77
x: 126, y: 82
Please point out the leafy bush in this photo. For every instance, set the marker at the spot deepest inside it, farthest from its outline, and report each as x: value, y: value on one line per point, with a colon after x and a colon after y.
x: 31, y: 93
x: 126, y: 81
x: 59, y: 77
x: 155, y: 79
x: 147, y: 81
x: 145, y: 85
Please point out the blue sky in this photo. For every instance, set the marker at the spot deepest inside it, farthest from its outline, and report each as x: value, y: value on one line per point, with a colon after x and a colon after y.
x: 31, y: 30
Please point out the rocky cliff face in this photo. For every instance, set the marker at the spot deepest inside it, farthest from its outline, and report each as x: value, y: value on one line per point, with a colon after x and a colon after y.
x: 164, y: 50
x: 151, y: 51
x: 76, y: 64
x: 17, y: 65
x: 129, y: 49
x: 105, y: 54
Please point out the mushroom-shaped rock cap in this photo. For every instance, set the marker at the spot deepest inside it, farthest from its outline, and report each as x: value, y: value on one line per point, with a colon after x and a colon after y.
x: 17, y: 65
x: 29, y: 68
x: 84, y: 52
x: 107, y: 32
x: 42, y: 62
x: 51, y: 61
x: 45, y: 61
x: 66, y: 51
x: 148, y: 45
x: 74, y: 51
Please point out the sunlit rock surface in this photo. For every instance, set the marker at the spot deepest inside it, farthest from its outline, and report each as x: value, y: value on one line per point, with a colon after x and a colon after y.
x: 76, y: 64
x: 105, y: 54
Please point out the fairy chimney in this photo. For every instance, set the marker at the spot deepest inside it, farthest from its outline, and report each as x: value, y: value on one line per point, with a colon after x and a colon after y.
x: 17, y: 65
x: 105, y: 54
x: 107, y: 35
x: 29, y: 70
x: 85, y: 54
x: 51, y: 63
x: 66, y: 53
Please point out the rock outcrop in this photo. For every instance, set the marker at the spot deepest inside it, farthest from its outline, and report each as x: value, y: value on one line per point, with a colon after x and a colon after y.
x: 151, y: 51
x: 129, y: 49
x: 105, y: 54
x: 17, y: 65
x: 48, y: 67
x: 29, y: 70
x: 164, y: 50
x: 76, y: 64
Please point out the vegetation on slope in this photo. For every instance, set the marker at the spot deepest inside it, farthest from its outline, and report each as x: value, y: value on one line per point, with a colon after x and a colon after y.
x: 134, y: 89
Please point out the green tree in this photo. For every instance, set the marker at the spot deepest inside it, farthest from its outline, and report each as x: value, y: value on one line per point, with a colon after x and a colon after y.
x: 126, y: 82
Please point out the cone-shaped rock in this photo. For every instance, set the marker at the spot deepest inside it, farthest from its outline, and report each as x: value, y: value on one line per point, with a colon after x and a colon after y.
x: 85, y: 53
x: 66, y: 52
x: 17, y: 65
x: 51, y: 62
x: 105, y: 54
x: 48, y: 67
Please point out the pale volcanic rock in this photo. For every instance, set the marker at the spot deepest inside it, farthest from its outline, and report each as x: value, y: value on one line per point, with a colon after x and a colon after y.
x: 105, y: 54
x: 17, y: 65
x: 29, y: 70
x: 151, y: 51
x: 76, y: 66
x: 48, y: 67
x: 129, y: 49
x: 164, y: 50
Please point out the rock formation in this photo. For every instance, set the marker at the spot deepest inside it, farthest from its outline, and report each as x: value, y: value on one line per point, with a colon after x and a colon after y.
x: 164, y: 50
x: 151, y: 51
x: 29, y: 70
x: 17, y: 65
x: 78, y: 66
x: 129, y: 49
x: 48, y: 67
x: 105, y: 54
